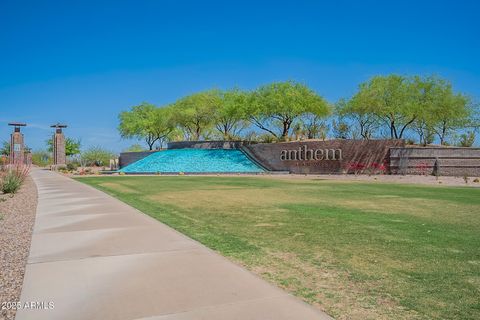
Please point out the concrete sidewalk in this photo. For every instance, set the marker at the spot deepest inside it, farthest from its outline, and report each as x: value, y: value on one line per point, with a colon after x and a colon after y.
x: 95, y: 257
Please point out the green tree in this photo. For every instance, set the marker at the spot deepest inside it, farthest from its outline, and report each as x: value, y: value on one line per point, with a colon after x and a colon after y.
x: 275, y: 107
x: 195, y: 114
x: 72, y: 146
x: 164, y: 125
x: 452, y: 112
x: 356, y: 111
x: 229, y: 116
x: 426, y: 92
x: 427, y: 105
x: 96, y: 156
x: 5, y: 149
x: 389, y: 98
x: 146, y: 122
x: 311, y: 126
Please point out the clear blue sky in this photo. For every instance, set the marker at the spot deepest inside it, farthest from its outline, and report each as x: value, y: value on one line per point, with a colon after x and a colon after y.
x: 82, y: 62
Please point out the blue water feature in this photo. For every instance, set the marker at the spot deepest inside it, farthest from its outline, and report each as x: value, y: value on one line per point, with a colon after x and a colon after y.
x: 194, y: 161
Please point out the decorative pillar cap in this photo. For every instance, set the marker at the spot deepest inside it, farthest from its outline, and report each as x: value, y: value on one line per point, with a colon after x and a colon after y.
x: 17, y: 125
x: 58, y: 125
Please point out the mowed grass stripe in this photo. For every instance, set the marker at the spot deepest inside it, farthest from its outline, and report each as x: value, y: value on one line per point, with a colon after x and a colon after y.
x: 356, y: 250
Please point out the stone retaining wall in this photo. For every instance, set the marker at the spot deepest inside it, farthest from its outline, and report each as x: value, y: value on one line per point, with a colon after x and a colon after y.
x: 442, y: 161
x: 130, y: 157
x: 325, y: 157
x: 343, y: 156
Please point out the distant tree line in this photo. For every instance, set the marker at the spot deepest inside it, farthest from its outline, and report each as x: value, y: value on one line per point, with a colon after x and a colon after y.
x: 422, y: 110
x: 92, y: 156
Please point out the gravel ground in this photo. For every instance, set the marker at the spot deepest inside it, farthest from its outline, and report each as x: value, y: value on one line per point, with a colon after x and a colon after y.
x: 17, y: 216
x: 409, y: 179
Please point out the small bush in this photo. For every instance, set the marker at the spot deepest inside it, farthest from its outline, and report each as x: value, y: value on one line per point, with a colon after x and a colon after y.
x: 410, y: 142
x: 467, y: 139
x: 13, y: 178
x: 266, y: 138
x: 11, y: 184
x: 72, y: 166
x: 134, y: 148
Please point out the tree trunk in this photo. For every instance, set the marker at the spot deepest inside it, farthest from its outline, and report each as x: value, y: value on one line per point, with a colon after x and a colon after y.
x: 405, y: 126
x: 259, y: 124
x: 226, y: 130
x: 150, y: 144
x: 392, y: 129
x: 442, y: 137
x: 286, y: 128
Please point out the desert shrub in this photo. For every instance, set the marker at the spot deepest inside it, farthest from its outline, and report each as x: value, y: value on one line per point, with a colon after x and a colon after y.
x: 266, y: 138
x: 410, y: 142
x: 250, y: 136
x: 12, y: 178
x: 72, y: 166
x: 467, y: 139
x: 97, y: 156
x: 134, y: 148
x: 63, y: 170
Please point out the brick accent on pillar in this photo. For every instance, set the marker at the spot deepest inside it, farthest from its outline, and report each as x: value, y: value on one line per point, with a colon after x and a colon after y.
x: 17, y: 147
x: 59, y: 156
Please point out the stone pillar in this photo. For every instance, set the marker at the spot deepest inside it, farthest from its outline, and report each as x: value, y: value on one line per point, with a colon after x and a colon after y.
x: 17, y: 145
x: 59, y: 157
x: 58, y: 143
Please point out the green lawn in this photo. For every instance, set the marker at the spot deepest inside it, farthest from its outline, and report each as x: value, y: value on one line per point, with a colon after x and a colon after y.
x: 356, y: 250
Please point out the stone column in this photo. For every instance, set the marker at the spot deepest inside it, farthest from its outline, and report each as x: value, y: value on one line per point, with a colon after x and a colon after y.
x: 17, y: 146
x: 59, y: 156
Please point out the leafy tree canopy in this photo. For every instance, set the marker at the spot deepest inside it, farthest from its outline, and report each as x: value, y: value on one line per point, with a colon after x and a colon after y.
x: 274, y: 107
x: 5, y: 148
x: 387, y: 97
x: 230, y: 116
x: 146, y: 122
x: 195, y: 113
x: 428, y: 105
x: 72, y: 146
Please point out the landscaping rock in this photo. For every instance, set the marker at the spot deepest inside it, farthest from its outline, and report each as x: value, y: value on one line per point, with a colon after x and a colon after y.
x: 17, y: 216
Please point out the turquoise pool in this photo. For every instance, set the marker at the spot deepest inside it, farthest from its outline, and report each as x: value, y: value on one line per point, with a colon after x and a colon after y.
x: 194, y: 161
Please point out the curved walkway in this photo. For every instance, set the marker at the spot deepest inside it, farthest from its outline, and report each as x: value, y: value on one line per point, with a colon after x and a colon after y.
x: 95, y: 257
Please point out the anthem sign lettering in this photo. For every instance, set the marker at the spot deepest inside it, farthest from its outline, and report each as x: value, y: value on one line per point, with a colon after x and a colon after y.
x: 303, y: 153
